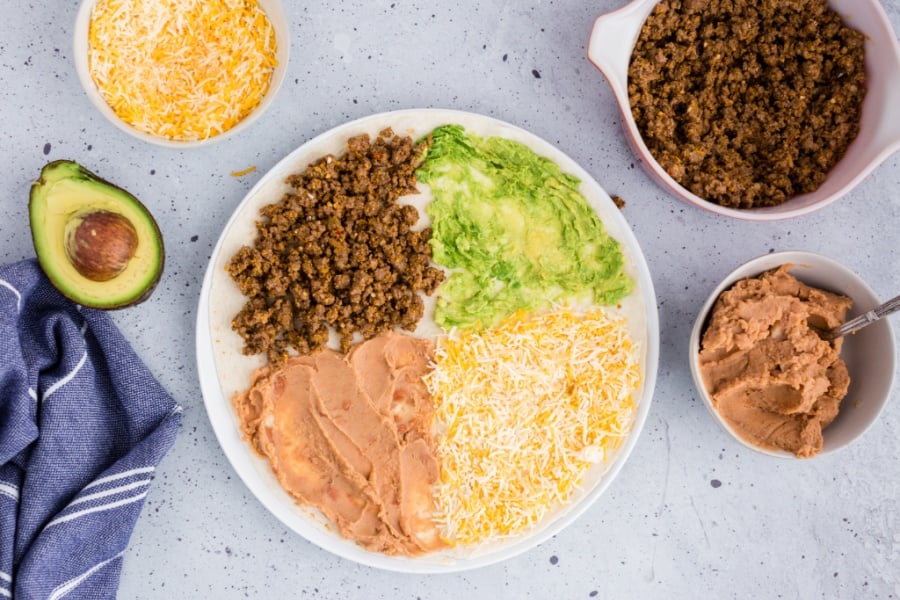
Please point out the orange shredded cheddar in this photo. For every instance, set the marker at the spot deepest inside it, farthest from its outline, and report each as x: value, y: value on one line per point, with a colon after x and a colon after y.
x: 243, y: 172
x: 181, y: 69
x: 522, y: 410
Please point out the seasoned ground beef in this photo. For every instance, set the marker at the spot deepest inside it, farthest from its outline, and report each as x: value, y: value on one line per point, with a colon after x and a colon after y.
x: 747, y: 103
x: 337, y: 251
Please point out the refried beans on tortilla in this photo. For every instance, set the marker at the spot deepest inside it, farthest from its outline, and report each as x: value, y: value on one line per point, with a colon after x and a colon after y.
x: 351, y: 435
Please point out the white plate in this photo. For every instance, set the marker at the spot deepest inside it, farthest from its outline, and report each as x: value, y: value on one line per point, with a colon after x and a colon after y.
x: 224, y: 370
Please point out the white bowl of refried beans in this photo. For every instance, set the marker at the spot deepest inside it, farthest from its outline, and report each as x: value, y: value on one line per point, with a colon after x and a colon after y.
x: 765, y: 374
x: 755, y: 111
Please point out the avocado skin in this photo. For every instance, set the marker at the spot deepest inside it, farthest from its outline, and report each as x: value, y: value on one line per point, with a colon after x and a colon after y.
x: 58, y: 170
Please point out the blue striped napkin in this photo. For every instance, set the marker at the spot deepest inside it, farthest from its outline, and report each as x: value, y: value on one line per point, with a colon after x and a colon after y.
x: 83, y: 425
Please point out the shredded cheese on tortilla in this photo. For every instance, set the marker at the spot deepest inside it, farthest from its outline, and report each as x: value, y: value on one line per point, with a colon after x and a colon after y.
x: 522, y: 411
x: 181, y: 69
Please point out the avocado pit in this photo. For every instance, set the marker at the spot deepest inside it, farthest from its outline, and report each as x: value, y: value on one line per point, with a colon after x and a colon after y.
x: 100, y: 244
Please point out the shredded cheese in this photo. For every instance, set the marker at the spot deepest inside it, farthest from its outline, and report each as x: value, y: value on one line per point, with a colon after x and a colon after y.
x: 181, y: 69
x: 522, y: 410
x: 243, y: 172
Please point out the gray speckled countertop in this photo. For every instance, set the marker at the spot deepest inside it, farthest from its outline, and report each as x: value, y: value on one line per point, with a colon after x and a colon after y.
x: 692, y: 514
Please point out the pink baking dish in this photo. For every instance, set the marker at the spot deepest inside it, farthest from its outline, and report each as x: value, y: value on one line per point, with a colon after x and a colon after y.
x: 614, y: 35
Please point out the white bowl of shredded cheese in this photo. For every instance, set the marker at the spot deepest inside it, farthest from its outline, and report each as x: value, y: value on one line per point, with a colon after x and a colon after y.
x: 181, y: 73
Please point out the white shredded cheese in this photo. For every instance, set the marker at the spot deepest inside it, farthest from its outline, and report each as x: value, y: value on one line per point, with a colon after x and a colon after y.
x: 181, y: 69
x: 522, y: 410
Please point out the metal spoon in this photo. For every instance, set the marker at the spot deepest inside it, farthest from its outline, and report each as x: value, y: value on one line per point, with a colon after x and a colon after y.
x: 854, y: 325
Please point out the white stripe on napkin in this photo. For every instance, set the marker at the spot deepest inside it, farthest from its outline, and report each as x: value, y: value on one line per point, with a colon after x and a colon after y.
x: 32, y: 393
x: 5, y: 593
x: 110, y: 492
x: 63, y: 589
x: 7, y: 489
x: 94, y: 509
x: 5, y: 576
x: 67, y: 378
x: 6, y: 284
x: 121, y: 475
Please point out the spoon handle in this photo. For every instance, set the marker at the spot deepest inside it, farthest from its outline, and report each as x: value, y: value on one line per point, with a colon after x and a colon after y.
x: 864, y: 319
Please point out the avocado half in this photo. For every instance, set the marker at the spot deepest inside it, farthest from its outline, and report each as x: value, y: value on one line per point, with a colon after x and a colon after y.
x: 96, y: 242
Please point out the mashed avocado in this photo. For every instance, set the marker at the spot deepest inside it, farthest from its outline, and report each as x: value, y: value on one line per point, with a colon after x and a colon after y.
x: 514, y: 232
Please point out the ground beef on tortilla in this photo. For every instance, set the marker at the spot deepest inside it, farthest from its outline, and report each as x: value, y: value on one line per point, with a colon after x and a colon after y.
x: 337, y: 251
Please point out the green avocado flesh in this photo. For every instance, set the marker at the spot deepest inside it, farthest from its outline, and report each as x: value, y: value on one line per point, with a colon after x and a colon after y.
x: 64, y: 196
x: 514, y: 232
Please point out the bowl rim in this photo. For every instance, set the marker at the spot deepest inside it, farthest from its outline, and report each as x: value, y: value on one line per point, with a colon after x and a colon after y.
x: 628, y: 21
x: 274, y: 11
x: 752, y: 268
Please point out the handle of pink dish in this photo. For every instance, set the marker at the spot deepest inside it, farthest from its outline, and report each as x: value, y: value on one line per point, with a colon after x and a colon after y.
x: 612, y: 40
x: 608, y: 52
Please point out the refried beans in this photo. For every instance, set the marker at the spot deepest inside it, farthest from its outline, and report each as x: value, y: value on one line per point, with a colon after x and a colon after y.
x: 350, y: 434
x: 770, y: 375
